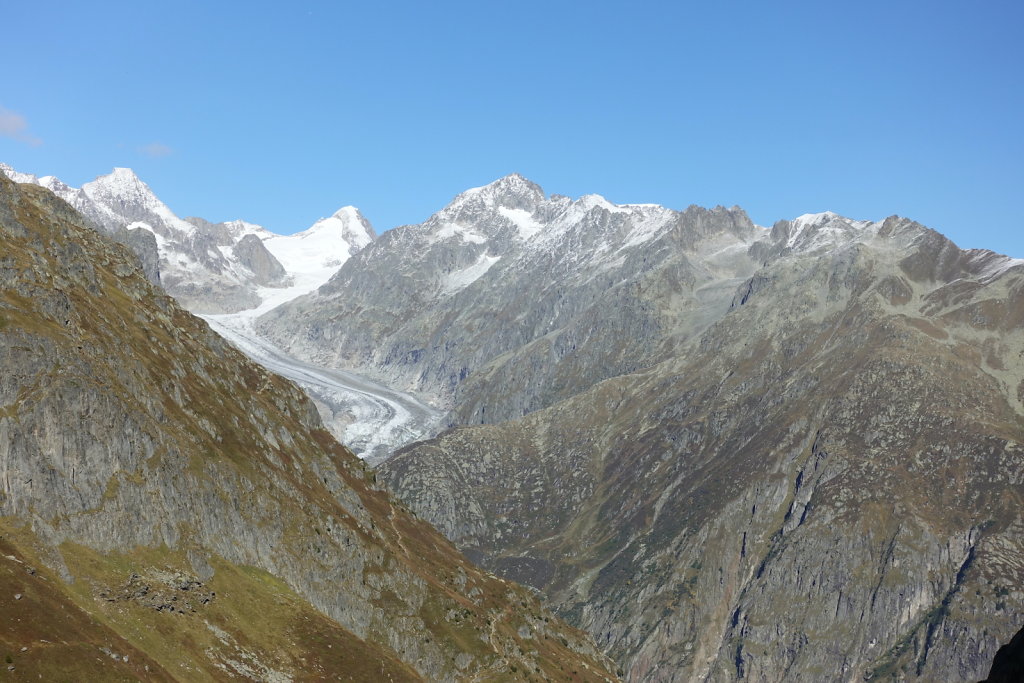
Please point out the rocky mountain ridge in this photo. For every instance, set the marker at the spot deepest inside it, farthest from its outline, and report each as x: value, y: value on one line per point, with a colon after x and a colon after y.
x: 189, y: 514
x: 823, y: 483
x: 506, y: 301
x: 211, y: 267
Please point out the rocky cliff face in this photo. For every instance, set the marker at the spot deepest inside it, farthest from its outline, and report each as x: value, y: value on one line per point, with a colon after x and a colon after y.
x: 824, y: 484
x: 266, y: 269
x: 189, y: 513
x: 507, y: 301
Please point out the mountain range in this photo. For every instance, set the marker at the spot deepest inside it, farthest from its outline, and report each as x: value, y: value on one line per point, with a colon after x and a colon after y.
x: 171, y: 510
x: 824, y: 483
x: 729, y: 452
x: 507, y: 301
x: 211, y: 267
x: 232, y: 272
x: 726, y: 451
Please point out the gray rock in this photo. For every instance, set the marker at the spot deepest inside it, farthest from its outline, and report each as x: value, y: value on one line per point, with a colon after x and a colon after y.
x: 143, y: 244
x: 253, y: 255
x: 822, y: 484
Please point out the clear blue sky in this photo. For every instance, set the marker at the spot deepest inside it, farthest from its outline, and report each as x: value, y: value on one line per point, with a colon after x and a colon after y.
x: 279, y: 113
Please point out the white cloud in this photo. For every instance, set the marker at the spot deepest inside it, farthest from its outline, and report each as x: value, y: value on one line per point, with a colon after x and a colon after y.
x: 14, y: 126
x: 156, y: 149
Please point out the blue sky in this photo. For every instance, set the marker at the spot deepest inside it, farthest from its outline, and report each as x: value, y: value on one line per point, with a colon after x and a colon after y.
x: 279, y: 113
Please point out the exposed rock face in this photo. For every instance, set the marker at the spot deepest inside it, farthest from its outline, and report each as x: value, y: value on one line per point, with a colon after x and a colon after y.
x: 204, y: 516
x: 506, y: 301
x: 143, y: 245
x: 825, y: 484
x: 253, y: 255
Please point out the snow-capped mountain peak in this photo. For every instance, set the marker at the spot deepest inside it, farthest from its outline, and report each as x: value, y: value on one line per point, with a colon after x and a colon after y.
x: 121, y: 182
x: 595, y: 201
x: 347, y: 225
x: 513, y: 183
x: 348, y: 211
x: 214, y: 267
x: 122, y: 174
x: 812, y: 231
x: 481, y: 213
x: 324, y: 246
x: 17, y: 176
x: 55, y: 184
x: 512, y: 191
x: 124, y: 195
x: 514, y: 209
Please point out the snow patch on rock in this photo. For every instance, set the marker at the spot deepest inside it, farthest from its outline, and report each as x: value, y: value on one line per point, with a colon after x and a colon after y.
x: 460, y: 279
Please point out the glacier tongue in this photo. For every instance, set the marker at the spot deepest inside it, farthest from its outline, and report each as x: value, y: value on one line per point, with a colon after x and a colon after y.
x: 368, y: 417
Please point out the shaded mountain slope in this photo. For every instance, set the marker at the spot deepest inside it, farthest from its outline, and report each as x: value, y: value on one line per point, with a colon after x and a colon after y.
x: 188, y: 505
x: 824, y: 484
